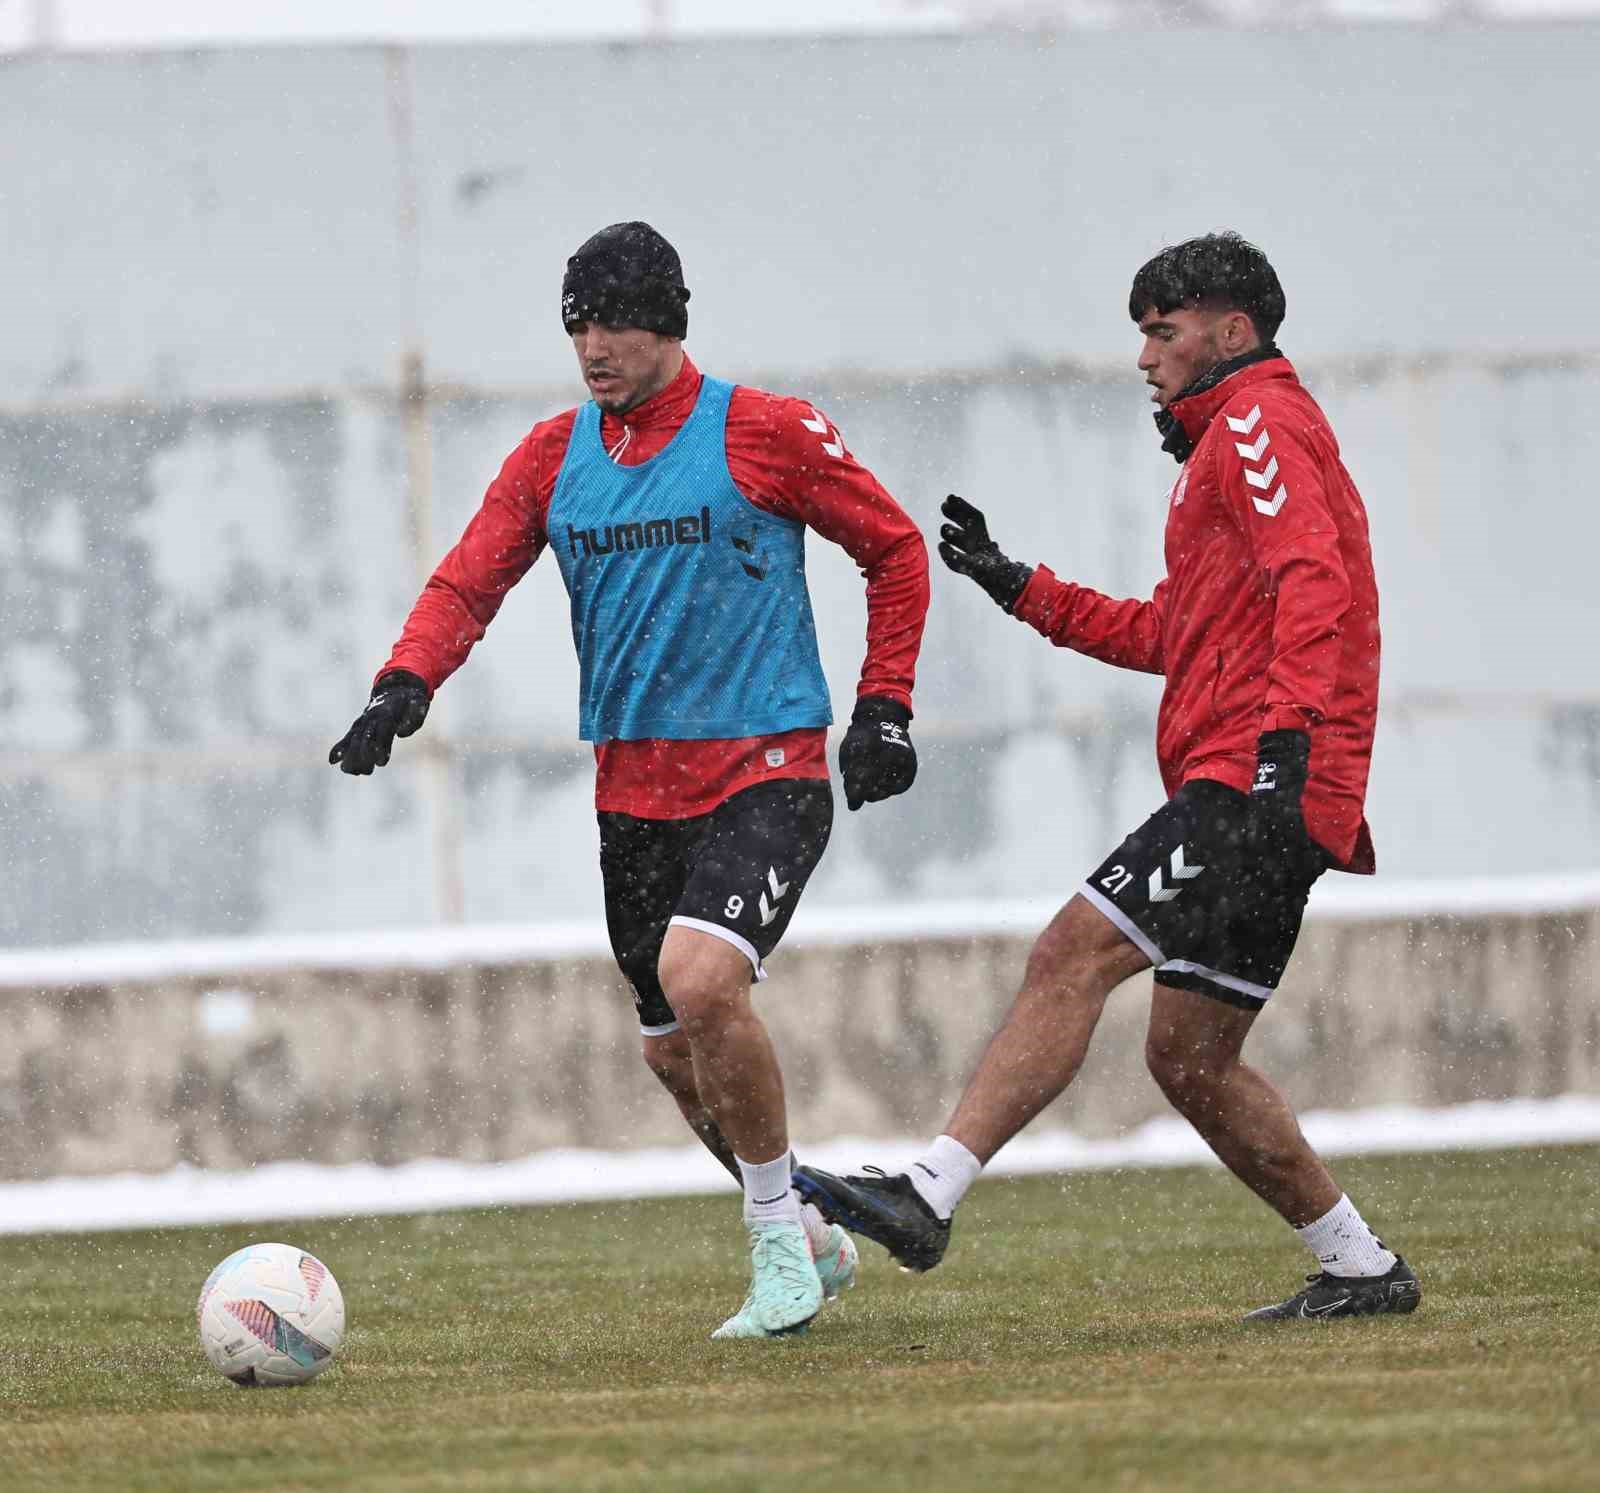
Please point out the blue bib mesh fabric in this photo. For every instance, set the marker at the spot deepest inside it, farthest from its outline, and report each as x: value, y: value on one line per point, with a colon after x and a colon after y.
x: 689, y: 605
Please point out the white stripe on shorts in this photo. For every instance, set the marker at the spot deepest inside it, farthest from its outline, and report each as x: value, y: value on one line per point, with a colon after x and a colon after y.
x: 1134, y: 934
x: 1228, y: 982
x: 727, y: 935
x: 658, y: 1031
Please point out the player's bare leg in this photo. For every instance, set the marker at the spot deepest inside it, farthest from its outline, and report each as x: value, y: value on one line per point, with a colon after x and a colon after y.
x: 1192, y: 1050
x: 670, y: 1059
x: 706, y: 980
x: 1077, y: 961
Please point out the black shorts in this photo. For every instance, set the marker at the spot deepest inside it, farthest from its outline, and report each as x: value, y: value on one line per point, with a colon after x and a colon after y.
x: 736, y: 873
x: 1210, y: 915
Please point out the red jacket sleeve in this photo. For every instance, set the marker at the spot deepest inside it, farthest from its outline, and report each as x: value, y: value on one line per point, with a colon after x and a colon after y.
x: 1272, y: 481
x: 790, y: 460
x: 504, y: 537
x: 1124, y: 633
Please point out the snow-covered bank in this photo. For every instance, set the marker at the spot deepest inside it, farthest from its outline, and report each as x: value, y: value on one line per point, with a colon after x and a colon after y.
x: 288, y: 1190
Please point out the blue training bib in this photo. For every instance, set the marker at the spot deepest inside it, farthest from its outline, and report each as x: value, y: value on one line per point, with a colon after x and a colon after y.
x: 690, y: 612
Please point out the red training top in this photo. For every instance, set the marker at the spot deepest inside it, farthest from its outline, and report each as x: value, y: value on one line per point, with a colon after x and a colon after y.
x: 1268, y: 616
x: 786, y: 459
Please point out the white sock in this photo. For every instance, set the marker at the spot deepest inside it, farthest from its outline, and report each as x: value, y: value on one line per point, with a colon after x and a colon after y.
x: 818, y: 1229
x: 768, y: 1198
x: 1344, y: 1245
x: 943, y: 1173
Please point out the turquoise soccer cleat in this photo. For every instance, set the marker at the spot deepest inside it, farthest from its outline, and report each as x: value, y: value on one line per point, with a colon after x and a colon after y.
x: 785, y: 1290
x: 836, y: 1264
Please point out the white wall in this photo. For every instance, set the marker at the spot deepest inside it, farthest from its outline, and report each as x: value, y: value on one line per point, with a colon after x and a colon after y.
x: 932, y: 238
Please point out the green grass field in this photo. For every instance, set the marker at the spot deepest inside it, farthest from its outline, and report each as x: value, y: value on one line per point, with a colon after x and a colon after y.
x: 1082, y: 1333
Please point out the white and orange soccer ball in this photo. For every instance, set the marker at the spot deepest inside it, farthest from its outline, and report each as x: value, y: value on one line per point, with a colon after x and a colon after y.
x: 271, y: 1314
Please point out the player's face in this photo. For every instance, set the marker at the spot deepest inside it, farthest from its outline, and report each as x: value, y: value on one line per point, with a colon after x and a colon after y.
x: 624, y: 366
x: 1182, y: 344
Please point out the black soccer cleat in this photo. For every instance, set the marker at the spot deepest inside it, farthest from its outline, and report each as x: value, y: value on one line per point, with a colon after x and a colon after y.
x: 1327, y: 1296
x: 886, y: 1209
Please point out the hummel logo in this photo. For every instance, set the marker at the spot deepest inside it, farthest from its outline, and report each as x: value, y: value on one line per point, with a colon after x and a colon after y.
x: 756, y: 566
x: 1252, y: 453
x: 818, y: 425
x: 769, y: 910
x: 1159, y: 892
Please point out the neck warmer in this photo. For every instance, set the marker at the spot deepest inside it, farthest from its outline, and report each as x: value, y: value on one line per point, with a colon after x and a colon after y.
x: 1174, y: 437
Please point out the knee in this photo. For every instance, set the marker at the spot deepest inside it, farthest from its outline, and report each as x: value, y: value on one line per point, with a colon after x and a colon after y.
x: 669, y: 1059
x: 700, y: 1004
x: 1182, y: 1074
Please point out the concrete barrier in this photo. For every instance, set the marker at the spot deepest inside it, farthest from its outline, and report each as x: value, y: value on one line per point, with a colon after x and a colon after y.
x: 487, y: 1044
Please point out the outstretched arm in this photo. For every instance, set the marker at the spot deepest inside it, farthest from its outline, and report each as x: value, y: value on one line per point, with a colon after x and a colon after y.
x: 457, y: 604
x: 502, y: 540
x: 1125, y: 633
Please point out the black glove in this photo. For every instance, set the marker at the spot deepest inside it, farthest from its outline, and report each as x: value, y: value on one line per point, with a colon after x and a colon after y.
x: 1277, y: 821
x: 876, y: 758
x: 398, y: 706
x: 965, y: 546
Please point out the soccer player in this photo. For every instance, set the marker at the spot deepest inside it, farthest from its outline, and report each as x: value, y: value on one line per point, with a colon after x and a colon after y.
x: 1266, y: 628
x: 676, y: 506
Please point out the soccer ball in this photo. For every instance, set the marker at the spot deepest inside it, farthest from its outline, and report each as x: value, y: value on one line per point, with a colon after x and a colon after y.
x: 271, y: 1314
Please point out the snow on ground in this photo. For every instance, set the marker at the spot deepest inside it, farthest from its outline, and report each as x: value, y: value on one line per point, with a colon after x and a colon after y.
x: 291, y: 1190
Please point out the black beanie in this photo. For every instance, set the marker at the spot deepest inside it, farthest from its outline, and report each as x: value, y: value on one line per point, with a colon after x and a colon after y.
x: 627, y: 275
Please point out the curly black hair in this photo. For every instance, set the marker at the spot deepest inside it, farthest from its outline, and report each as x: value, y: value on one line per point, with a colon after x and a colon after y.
x: 1219, y: 271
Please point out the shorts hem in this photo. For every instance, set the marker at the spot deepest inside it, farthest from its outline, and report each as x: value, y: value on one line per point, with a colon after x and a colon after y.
x: 727, y: 935
x: 658, y: 1031
x: 1122, y: 922
x: 1184, y: 974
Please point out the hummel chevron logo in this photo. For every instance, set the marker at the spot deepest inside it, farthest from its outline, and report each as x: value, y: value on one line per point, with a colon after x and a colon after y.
x: 818, y: 424
x: 769, y: 910
x: 1159, y: 892
x: 755, y: 566
x: 1278, y: 500
x: 1252, y: 453
x: 1262, y: 479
